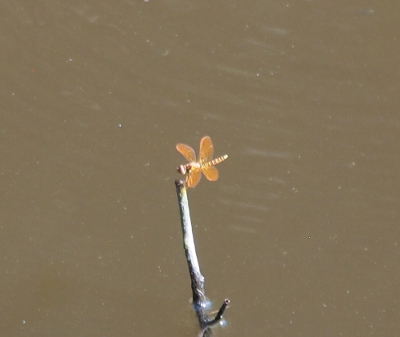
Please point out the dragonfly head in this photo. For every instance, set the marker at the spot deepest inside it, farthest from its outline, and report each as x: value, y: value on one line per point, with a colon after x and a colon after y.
x: 181, y: 169
x: 184, y: 169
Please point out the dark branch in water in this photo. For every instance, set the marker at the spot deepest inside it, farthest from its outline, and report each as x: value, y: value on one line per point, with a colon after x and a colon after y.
x: 220, y: 312
x: 196, y: 278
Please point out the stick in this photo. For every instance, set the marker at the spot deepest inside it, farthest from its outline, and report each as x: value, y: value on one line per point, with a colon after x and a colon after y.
x: 197, y: 279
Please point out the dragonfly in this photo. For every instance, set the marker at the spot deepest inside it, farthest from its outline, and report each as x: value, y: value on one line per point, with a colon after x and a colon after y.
x: 205, y: 162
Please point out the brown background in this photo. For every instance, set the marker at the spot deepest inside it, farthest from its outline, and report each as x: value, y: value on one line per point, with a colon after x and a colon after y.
x: 301, y: 231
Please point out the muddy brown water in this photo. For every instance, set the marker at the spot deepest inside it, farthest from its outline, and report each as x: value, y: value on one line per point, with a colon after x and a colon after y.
x: 301, y: 231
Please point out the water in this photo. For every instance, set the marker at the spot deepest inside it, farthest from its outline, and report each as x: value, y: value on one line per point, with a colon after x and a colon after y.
x: 300, y: 231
